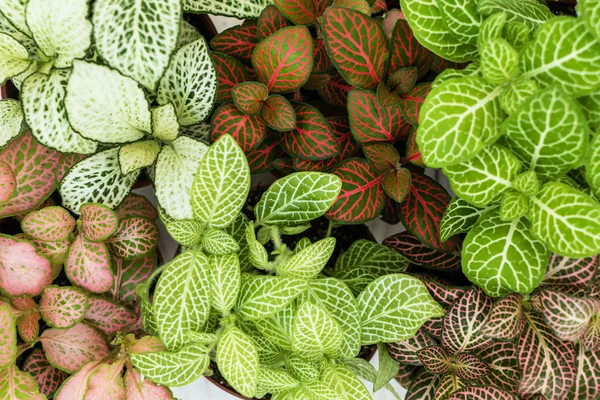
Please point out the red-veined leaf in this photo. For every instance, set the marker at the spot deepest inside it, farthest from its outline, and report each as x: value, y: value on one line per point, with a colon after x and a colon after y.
x: 88, y: 265
x: 8, y: 182
x: 470, y: 367
x: 284, y: 166
x: 547, y: 363
x: 297, y: 97
x: 270, y: 21
x: 137, y: 388
x: 261, y: 158
x: 248, y: 96
x: 284, y: 60
x: 317, y: 81
x: 230, y: 72
x: 55, y: 252
x: 33, y: 166
x: 134, y: 237
x: 443, y: 294
x: 238, y: 41
x: 448, y: 384
x: 402, y: 81
x: 406, y: 51
x: 423, y: 387
x: 278, y: 113
x: 390, y: 19
x: 390, y: 213
x: 321, y: 6
x: 413, y: 154
x: 357, y: 46
x: 463, y: 322
x: 47, y: 377
x: 439, y: 64
x: 22, y: 269
x: 385, y: 97
x: 98, y: 222
x: 249, y: 131
x: 8, y: 336
x: 108, y: 316
x: 29, y: 327
x: 567, y: 272
x: 383, y: 156
x: 130, y: 273
x: 106, y: 382
x: 569, y: 317
x: 405, y: 351
x: 362, y: 197
x: 482, y: 393
x: 70, y: 349
x: 422, y: 211
x: 379, y: 6
x: 322, y: 63
x: 49, y: 224
x: 435, y: 359
x: 396, y: 184
x: 75, y: 386
x: 23, y: 303
x: 371, y: 122
x: 412, y: 248
x: 358, y: 5
x: 507, y: 319
x: 63, y: 307
x: 67, y: 162
x: 501, y: 358
x: 587, y: 378
x: 136, y: 205
x: 335, y: 91
x: 412, y: 102
x: 300, y: 12
x: 313, y: 138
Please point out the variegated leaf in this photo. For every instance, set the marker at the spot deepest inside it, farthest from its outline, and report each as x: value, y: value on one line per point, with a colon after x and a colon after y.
x: 47, y: 377
x: 225, y: 281
x: 106, y: 382
x: 138, y: 155
x: 88, y: 265
x: 278, y: 327
x: 15, y: 384
x: 133, y: 238
x: 262, y: 296
x: 418, y: 253
x: 75, y: 386
x: 237, y: 359
x: 8, y: 337
x: 98, y: 222
x: 11, y: 121
x: 435, y: 359
x: 587, y: 378
x: 138, y: 388
x: 464, y: 321
x: 49, y: 224
x: 217, y: 242
x: 423, y: 386
x: 275, y: 381
x: 15, y: 57
x: 345, y: 382
x: 459, y: 217
x: 135, y: 205
x: 506, y: 318
x: 482, y: 393
x: 8, y: 182
x: 564, y: 272
x: 236, y: 8
x: 568, y: 316
x: 501, y: 358
x: 405, y: 351
x: 470, y: 367
x: 22, y: 269
x: 62, y: 307
x: 315, y: 333
x: 109, y: 316
x: 128, y: 274
x: 308, y: 262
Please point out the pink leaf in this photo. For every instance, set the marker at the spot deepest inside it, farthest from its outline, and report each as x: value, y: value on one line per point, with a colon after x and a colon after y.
x: 138, y: 389
x: 66, y: 163
x: 569, y: 317
x: 23, y: 303
x: 129, y: 273
x: 8, y: 182
x: 29, y: 327
x: 564, y: 272
x: 22, y: 269
x: 88, y: 265
x: 63, y: 307
x: 135, y: 205
x: 445, y: 295
x: 501, y: 357
x: 70, y: 349
x: 587, y: 379
x: 98, y: 222
x: 134, y: 237
x: 55, y: 252
x: 482, y: 393
x: 8, y: 337
x: 17, y: 385
x: 49, y: 224
x: 146, y: 344
x: 107, y: 316
x: 75, y: 387
x: 47, y: 377
x: 106, y: 382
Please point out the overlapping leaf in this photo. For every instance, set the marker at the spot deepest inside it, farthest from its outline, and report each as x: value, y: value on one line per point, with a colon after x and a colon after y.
x: 568, y: 316
x: 506, y: 318
x: 238, y: 41
x: 406, y: 51
x: 464, y: 321
x: 315, y: 333
x: 270, y: 21
x: 459, y: 217
x: 564, y: 272
x: 236, y: 8
x: 22, y: 269
x: 230, y: 72
x: 98, y: 222
x: 62, y: 307
x: 278, y: 113
x: 48, y: 224
x: 109, y: 316
x: 8, y: 337
x: 248, y: 130
x: 418, y: 253
x: 262, y: 296
x: 88, y: 265
x: 237, y: 359
x: 47, y: 377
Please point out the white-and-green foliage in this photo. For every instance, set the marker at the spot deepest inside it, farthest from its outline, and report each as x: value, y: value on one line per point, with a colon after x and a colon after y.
x: 512, y: 130
x: 267, y: 312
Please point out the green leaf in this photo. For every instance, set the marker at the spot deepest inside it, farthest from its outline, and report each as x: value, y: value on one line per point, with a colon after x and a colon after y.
x: 165, y: 125
x: 394, y: 307
x: 190, y: 83
x: 564, y: 53
x: 566, y: 220
x: 345, y: 382
x: 592, y: 166
x: 60, y: 29
x: 173, y: 369
x: 365, y: 370
x: 187, y: 34
x: 315, y: 333
x: 137, y: 38
x: 18, y: 385
x: 14, y: 58
x: 462, y: 19
x: 308, y: 262
x: 589, y: 10
x: 257, y: 254
x: 175, y: 170
x: 217, y: 242
x: 105, y: 106
x: 388, y: 368
x: 221, y: 184
x: 96, y: 179
x: 514, y: 205
x: 527, y: 183
x: 225, y: 281
x: 230, y: 8
x: 268, y: 352
x: 483, y: 179
x: 182, y: 298
x: 548, y: 133
x: 237, y: 359
x: 503, y: 257
x: 491, y: 28
x: 590, y: 106
x: 278, y: 327
x: 304, y: 371
x: 517, y: 34
x: 499, y: 61
x: 249, y: 96
x: 529, y: 12
x: 459, y: 217
x: 138, y: 155
x: 8, y: 337
x: 11, y: 120
x: 297, y: 198
x: 262, y: 296
x: 275, y: 381
x: 186, y: 232
x: 515, y: 94
x: 458, y: 119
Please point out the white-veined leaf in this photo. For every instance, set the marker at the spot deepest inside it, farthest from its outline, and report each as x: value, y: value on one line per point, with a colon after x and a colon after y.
x: 225, y: 281
x: 462, y: 19
x: 388, y: 368
x: 262, y: 296
x: 592, y: 166
x: 14, y: 58
x: 187, y: 34
x: 530, y: 12
x: 11, y: 120
x: 459, y: 217
x: 275, y: 381
x: 237, y: 230
x: 491, y: 28
x: 308, y: 262
x: 186, y: 232
x: 516, y: 93
x: 366, y: 370
x: 164, y: 122
x: 217, y: 242
x: 514, y: 205
x: 278, y: 327
x: 237, y: 359
x: 589, y: 10
x: 499, y: 61
x: 137, y: 155
x: 14, y: 11
x: 230, y: 8
x: 315, y: 333
x: 342, y: 380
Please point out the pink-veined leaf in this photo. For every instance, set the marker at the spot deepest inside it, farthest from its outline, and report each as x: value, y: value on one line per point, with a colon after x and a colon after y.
x: 70, y: 349
x: 75, y: 386
x: 230, y: 72
x: 371, y: 122
x: 396, y: 184
x: 412, y: 248
x: 405, y: 375
x: 8, y: 336
x: 270, y: 21
x: 300, y: 12
x: 49, y: 224
x: 439, y: 64
x: 18, y: 385
x: 501, y: 358
x: 63, y: 307
x: 130, y: 273
x: 507, y: 318
x: 278, y: 113
x: 137, y: 388
x: 406, y: 51
x: 567, y: 272
x: 33, y: 166
x: 463, y: 322
x: 444, y: 294
x: 106, y: 382
x: 482, y: 393
x: 405, y: 351
x: 587, y: 377
x: 357, y: 46
x: 385, y: 97
x: 108, y: 316
x: 238, y: 41
x: 413, y: 101
x: 313, y: 137
x: 322, y: 62
x: 146, y: 344
x: 402, y: 81
x: 470, y: 367
x: 261, y: 158
x: 434, y: 327
x: 67, y: 162
x: 448, y: 384
x: 284, y: 165
x: 248, y: 130
x: 88, y: 265
x: 413, y: 154
x: 423, y: 386
x: 8, y: 182
x: 362, y: 197
x: 98, y: 222
x: 23, y: 303
x: 569, y: 317
x: 47, y: 377
x: 135, y: 205
x: 591, y: 339
x: 390, y: 19
x: 22, y: 269
x: 435, y: 359
x: 335, y: 91
x: 284, y: 60
x: 383, y: 156
x: 547, y: 363
x: 422, y: 211
x: 55, y: 252
x: 29, y: 327
x: 248, y: 97
x: 134, y: 237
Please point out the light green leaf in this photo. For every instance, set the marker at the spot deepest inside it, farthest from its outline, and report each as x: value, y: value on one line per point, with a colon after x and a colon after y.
x: 315, y: 333
x: 295, y: 230
x: 301, y: 369
x: 302, y: 244
x: 205, y: 339
x: 237, y: 359
x: 431, y: 31
x: 590, y: 106
x: 297, y: 198
x: 515, y: 94
x: 237, y: 230
x: 173, y: 369
x: 491, y: 28
x: 138, y: 155
x: 262, y: 296
x: 514, y: 205
x: 461, y: 18
x: 530, y: 12
x: 164, y: 122
x: 225, y: 281
x: 517, y: 34
x: 8, y: 336
x: 136, y: 37
x: 14, y: 58
x: 176, y: 167
x: 567, y: 220
x: 589, y: 10
x: 60, y: 29
x: 147, y: 316
x: 458, y: 119
x: 548, y: 133
x: 11, y: 120
x: 499, y: 61
x: 106, y: 106
x: 459, y: 217
x: 182, y: 297
x: 257, y: 254
x: 264, y: 235
x: 483, y: 179
x: 221, y: 184
x: 190, y: 83
x: 365, y: 370
x: 318, y: 391
x: 342, y: 380
x: 503, y: 257
x: 96, y: 179
x: 564, y: 53
x: 308, y: 262
x: 186, y: 232
x: 275, y: 381
x: 592, y: 166
x: 14, y: 11
x: 388, y: 368
x: 230, y: 8
x: 450, y: 73
x: 278, y: 327
x: 217, y: 242
x: 268, y: 352
x: 187, y: 34
x: 527, y: 183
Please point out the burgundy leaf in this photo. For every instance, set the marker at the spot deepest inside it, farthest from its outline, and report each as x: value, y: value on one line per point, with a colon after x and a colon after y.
x: 230, y: 72
x: 407, y: 52
x: 405, y: 351
x: 402, y: 81
x: 470, y: 367
x: 383, y: 156
x: 109, y: 316
x: 261, y: 158
x: 435, y: 359
x: 335, y: 91
x: 397, y: 184
x: 317, y: 81
x: 569, y: 317
x: 270, y: 21
x: 278, y: 113
x: 567, y: 272
x: 443, y: 294
x: 248, y: 96
x: 134, y: 237
x: 322, y: 62
x: 238, y: 41
x: 482, y: 393
x: 506, y: 320
x: 501, y: 357
x: 439, y: 64
x: 413, y: 101
x: 410, y: 247
x: 385, y: 97
x: 423, y: 387
x: 130, y: 273
x: 136, y: 205
x: 46, y: 376
x: 249, y: 131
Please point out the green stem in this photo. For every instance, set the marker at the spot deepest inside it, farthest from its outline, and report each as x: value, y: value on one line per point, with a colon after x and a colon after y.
x: 275, y: 237
x: 329, y: 229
